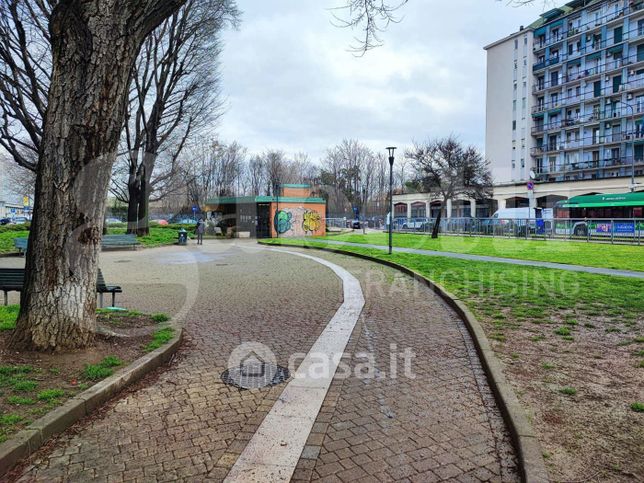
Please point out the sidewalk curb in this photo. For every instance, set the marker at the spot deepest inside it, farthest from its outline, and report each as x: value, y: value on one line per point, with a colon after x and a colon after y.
x: 530, y: 456
x: 26, y: 442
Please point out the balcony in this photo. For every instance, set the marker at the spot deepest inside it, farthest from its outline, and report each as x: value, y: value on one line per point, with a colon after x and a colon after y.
x: 546, y: 127
x: 586, y: 165
x: 633, y: 84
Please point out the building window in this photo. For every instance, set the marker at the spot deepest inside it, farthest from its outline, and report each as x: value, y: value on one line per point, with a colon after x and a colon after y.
x: 554, y: 79
x: 514, y: 125
x: 522, y: 163
x: 640, y: 52
x: 516, y: 44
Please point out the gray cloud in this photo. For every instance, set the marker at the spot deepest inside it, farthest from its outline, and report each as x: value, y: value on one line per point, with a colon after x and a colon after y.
x: 291, y: 82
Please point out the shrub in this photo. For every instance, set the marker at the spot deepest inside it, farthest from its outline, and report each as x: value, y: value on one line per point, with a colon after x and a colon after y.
x: 638, y: 407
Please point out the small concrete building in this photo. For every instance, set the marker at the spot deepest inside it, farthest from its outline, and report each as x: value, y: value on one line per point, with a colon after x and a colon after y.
x: 293, y: 213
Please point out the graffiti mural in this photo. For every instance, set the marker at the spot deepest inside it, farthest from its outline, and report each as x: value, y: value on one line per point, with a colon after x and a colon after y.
x: 312, y: 221
x: 283, y: 221
x: 297, y: 222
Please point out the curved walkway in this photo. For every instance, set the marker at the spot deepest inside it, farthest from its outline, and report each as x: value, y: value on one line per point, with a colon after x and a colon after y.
x: 512, y: 261
x: 409, y: 400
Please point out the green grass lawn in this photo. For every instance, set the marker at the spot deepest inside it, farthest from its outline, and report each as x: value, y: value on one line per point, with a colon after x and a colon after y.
x: 6, y: 240
x: 566, y: 340
x: 157, y: 237
x: 627, y: 257
x: 520, y: 292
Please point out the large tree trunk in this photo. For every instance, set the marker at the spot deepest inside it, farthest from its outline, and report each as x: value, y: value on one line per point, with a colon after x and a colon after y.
x: 94, y: 46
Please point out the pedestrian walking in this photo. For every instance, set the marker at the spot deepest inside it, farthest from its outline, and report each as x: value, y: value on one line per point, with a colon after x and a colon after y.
x: 201, y: 228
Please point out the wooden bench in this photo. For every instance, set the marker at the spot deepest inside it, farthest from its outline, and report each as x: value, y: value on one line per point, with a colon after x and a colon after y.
x: 13, y: 279
x: 108, y: 241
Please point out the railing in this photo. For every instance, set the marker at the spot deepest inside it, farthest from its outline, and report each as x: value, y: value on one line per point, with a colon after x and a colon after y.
x: 574, y: 166
x: 628, y: 36
x: 587, y: 26
x: 335, y: 223
x: 625, y: 230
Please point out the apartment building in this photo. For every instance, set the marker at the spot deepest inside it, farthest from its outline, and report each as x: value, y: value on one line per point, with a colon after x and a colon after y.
x: 565, y: 104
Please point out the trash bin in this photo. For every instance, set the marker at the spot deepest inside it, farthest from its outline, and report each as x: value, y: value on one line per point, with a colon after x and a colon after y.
x: 183, y: 237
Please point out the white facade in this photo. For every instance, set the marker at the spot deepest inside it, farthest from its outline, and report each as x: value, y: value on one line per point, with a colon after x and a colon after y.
x: 509, y: 97
x: 582, y: 130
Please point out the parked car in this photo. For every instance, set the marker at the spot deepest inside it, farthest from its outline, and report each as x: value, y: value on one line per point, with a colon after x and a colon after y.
x: 414, y: 224
x: 19, y: 220
x: 5, y: 221
x: 112, y: 221
x: 355, y: 224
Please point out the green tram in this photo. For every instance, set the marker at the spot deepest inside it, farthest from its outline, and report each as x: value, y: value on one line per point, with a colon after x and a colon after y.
x: 610, y: 215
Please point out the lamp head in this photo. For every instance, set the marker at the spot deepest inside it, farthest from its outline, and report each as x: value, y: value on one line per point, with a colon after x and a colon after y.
x: 391, y: 150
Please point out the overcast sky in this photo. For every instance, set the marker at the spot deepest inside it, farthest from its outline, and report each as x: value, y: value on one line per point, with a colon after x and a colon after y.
x: 291, y: 83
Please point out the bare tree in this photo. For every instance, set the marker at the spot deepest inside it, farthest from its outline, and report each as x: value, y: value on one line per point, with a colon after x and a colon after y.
x: 25, y: 69
x: 215, y: 169
x: 450, y: 169
x: 348, y: 172
x: 175, y: 92
x: 371, y: 16
x: 22, y: 181
x: 74, y: 130
x: 274, y: 161
x: 256, y: 172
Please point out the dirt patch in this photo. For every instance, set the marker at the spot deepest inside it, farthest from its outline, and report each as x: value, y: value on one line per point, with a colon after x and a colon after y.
x: 32, y: 383
x: 577, y: 375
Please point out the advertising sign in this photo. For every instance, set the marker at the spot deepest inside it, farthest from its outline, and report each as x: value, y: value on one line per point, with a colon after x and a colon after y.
x: 602, y: 228
x: 625, y: 227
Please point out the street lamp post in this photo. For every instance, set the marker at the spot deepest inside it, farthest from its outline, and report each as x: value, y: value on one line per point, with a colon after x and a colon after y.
x: 391, y: 151
x: 276, y: 220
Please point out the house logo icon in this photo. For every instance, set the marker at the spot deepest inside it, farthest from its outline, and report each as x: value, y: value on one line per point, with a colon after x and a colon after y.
x: 253, y: 365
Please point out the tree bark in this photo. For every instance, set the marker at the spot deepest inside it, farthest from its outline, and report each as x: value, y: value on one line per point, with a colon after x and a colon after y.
x: 132, y: 206
x: 94, y: 47
x: 437, y: 223
x: 143, y: 228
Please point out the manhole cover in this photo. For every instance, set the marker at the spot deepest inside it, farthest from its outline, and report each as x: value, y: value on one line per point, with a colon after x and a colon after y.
x: 255, y: 374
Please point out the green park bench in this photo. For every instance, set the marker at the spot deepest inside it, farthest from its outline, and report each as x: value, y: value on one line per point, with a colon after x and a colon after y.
x: 120, y: 241
x: 13, y: 280
x: 108, y: 241
x: 21, y: 245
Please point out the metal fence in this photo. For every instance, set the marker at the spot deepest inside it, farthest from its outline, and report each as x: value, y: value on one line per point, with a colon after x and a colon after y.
x: 623, y: 230
x: 336, y: 223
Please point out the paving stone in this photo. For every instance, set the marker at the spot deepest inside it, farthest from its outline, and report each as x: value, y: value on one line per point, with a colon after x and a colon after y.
x: 186, y: 425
